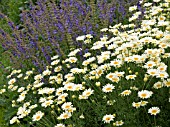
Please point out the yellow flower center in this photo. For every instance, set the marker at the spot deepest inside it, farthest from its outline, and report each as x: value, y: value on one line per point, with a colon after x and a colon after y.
x: 143, y: 95
x: 108, y: 118
x: 154, y: 111
x: 108, y: 89
x: 37, y: 117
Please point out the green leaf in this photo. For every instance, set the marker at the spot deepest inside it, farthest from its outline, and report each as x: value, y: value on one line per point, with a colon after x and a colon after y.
x: 9, y: 113
x: 2, y: 102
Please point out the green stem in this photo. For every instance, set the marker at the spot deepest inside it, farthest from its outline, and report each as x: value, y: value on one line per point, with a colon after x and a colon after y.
x: 155, y: 120
x: 148, y: 116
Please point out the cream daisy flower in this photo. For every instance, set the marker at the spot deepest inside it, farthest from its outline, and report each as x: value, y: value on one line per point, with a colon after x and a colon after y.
x: 110, y: 75
x: 54, y: 57
x: 152, y: 72
x: 38, y: 77
x: 14, y: 120
x: 150, y: 64
x: 126, y: 92
x: 47, y: 103
x: 162, y: 74
x: 89, y: 36
x: 12, y: 81
x: 55, y: 62
x: 136, y: 105
x: 81, y: 116
x: 87, y: 92
x: 143, y: 103
x: 132, y: 8
x: 167, y: 83
x: 116, y: 63
x: 162, y: 68
x: 136, y: 58
x: 72, y: 60
x: 65, y: 115
x: 144, y: 94
x: 154, y: 110
x: 62, y: 96
x: 46, y: 72
x: 156, y: 0
x: 115, y: 79
x: 108, y: 118
x: 80, y: 38
x: 21, y: 89
x: 69, y: 86
x: 67, y: 106
x: 118, y: 123
x: 158, y: 85
x: 59, y: 125
x: 130, y: 77
x: 108, y: 88
x: 120, y: 74
x: 59, y: 91
x: 37, y: 116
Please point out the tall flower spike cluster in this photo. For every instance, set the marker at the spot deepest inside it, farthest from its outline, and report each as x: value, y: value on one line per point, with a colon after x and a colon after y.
x: 49, y: 28
x: 119, y: 75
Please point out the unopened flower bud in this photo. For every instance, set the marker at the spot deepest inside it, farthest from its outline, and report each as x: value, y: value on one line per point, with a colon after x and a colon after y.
x: 145, y: 79
x: 98, y: 83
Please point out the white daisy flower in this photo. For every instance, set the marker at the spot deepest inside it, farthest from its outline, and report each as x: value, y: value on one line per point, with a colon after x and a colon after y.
x: 154, y: 110
x: 37, y: 116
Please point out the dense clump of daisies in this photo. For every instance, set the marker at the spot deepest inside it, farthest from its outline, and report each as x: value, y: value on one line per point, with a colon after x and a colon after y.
x: 122, y: 79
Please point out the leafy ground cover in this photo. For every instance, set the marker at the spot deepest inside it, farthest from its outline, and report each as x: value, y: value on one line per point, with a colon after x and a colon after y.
x: 118, y: 79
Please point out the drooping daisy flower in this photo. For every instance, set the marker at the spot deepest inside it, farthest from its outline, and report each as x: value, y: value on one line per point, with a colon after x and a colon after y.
x: 158, y: 85
x: 167, y: 83
x: 21, y: 89
x: 120, y: 74
x: 108, y: 118
x: 156, y: 0
x: 136, y: 105
x: 62, y: 96
x: 37, y: 116
x: 132, y: 8
x: 14, y: 119
x: 143, y: 103
x: 65, y: 115
x: 38, y: 77
x: 154, y: 110
x: 130, y: 77
x: 54, y: 57
x: 46, y: 72
x: 118, y: 123
x: 80, y: 38
x: 144, y: 94
x: 115, y: 79
x: 126, y: 92
x: 72, y: 60
x: 55, y: 62
x: 81, y: 116
x: 59, y: 125
x: 12, y: 81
